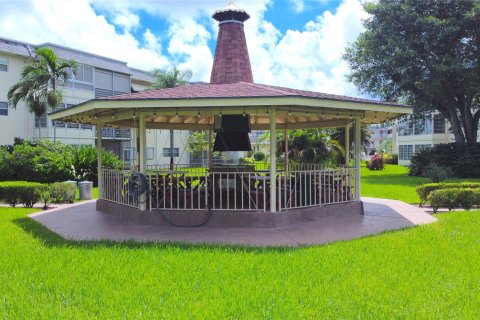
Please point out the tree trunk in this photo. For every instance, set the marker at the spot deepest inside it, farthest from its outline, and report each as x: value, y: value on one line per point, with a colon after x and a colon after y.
x: 456, y: 126
x: 469, y: 126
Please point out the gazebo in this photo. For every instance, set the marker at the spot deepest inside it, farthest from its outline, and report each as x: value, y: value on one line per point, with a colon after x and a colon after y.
x: 298, y: 189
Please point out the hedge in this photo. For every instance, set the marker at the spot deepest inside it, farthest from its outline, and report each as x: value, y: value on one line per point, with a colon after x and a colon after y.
x: 454, y: 198
x: 26, y: 193
x: 29, y: 193
x: 424, y: 190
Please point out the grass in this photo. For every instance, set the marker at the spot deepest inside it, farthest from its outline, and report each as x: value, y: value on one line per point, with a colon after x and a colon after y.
x: 395, y: 183
x: 425, y: 272
x: 391, y: 183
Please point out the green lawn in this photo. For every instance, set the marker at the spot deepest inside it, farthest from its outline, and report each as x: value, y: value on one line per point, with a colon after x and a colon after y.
x: 391, y: 183
x: 424, y: 272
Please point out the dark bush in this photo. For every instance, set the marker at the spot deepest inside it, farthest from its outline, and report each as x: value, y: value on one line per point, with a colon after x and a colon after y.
x: 462, y: 159
x: 392, y: 159
x: 377, y: 162
x: 438, y: 174
x: 259, y: 156
x: 15, y: 192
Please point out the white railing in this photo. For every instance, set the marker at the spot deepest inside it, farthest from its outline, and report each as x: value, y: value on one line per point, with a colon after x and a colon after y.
x: 115, y: 187
x: 198, y: 189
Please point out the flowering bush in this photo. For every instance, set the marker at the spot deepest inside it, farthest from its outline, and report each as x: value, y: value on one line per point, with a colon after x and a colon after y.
x: 377, y: 162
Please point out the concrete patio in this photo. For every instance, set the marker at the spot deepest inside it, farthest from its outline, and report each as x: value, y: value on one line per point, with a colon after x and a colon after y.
x: 82, y: 221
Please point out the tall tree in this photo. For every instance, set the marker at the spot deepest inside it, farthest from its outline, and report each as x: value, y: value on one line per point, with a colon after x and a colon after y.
x: 39, y: 85
x: 426, y: 53
x: 170, y: 79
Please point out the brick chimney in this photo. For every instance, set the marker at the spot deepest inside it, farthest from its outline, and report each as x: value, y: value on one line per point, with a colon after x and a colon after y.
x: 231, y: 63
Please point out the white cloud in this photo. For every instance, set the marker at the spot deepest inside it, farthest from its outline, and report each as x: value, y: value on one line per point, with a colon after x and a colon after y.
x: 127, y: 20
x: 299, y: 5
x: 310, y: 58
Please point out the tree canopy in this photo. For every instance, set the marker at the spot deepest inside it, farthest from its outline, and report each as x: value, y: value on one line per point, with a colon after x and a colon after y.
x: 38, y: 86
x: 170, y: 78
x: 426, y: 53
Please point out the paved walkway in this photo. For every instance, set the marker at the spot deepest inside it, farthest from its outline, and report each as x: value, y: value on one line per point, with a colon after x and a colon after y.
x: 82, y: 221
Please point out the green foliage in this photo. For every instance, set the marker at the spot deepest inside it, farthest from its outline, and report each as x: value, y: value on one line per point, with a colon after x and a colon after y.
x: 390, y: 158
x: 259, y: 156
x: 197, y: 144
x: 170, y: 78
x: 424, y: 190
x: 246, y: 161
x: 47, y: 162
x: 454, y: 198
x: 61, y: 192
x: 424, y: 53
x: 84, y: 161
x: 313, y: 146
x: 44, y: 162
x: 462, y: 159
x: 15, y: 192
x: 39, y: 84
x: 437, y: 173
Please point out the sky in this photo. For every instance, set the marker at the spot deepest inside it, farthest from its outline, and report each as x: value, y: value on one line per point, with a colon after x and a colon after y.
x: 292, y: 43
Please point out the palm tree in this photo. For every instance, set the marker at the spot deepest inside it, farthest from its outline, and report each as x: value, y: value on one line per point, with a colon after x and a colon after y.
x: 170, y: 79
x: 39, y: 84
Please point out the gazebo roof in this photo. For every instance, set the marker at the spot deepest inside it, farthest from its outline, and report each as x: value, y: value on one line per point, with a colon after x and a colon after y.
x: 193, y: 107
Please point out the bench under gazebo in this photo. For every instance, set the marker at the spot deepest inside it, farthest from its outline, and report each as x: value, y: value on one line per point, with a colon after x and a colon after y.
x: 231, y: 105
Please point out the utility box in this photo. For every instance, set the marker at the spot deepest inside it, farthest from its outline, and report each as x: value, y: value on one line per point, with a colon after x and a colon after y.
x: 85, y: 188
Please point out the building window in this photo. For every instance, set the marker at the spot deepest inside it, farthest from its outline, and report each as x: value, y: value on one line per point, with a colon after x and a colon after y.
x: 82, y: 78
x: 405, y: 152
x: 3, y: 64
x: 166, y: 152
x: 41, y: 122
x: 58, y: 124
x: 128, y: 154
x: 420, y: 147
x: 87, y: 127
x: 3, y: 109
x: 438, y: 124
x: 150, y: 153
x: 73, y: 125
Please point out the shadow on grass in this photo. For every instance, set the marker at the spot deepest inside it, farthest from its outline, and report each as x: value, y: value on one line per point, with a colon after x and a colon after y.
x: 395, y: 179
x: 52, y: 239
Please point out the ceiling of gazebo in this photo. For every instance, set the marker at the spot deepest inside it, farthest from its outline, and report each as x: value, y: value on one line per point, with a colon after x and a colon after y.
x: 194, y: 108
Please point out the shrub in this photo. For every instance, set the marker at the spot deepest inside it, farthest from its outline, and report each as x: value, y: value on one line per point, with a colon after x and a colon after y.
x: 15, y: 192
x: 84, y: 161
x: 424, y: 190
x: 462, y: 159
x: 63, y: 192
x: 246, y: 161
x: 391, y: 158
x: 377, y: 162
x: 259, y: 156
x: 453, y: 198
x: 437, y: 173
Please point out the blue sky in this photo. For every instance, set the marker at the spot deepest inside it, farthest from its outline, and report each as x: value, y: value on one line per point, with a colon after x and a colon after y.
x: 295, y: 43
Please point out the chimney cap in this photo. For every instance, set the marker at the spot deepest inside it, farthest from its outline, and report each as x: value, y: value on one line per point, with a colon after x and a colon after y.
x: 231, y: 12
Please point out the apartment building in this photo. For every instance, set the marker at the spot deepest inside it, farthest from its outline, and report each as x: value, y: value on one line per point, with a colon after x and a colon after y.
x: 418, y: 134
x: 95, y: 77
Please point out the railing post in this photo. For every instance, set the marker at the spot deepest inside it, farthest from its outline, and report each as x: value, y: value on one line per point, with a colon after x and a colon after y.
x: 358, y: 149
x: 142, y: 135
x: 273, y: 160
x: 99, y: 160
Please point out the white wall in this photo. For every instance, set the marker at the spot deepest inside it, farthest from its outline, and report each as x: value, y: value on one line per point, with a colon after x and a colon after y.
x: 17, y: 121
